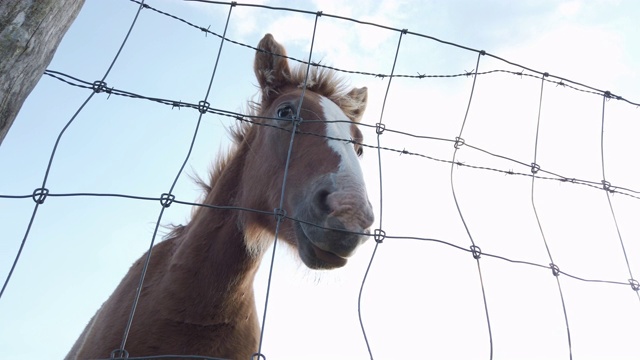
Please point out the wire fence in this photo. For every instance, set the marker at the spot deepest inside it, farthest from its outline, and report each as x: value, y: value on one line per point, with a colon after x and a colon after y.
x: 514, y: 167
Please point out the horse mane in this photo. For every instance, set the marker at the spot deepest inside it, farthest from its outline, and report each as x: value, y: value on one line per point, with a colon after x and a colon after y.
x: 321, y: 80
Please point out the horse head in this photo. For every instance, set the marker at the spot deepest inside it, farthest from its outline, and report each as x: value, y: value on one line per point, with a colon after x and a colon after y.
x: 310, y: 118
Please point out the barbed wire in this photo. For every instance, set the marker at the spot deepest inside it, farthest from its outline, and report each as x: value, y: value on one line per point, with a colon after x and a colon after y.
x: 40, y: 194
x: 560, y: 81
x: 252, y: 118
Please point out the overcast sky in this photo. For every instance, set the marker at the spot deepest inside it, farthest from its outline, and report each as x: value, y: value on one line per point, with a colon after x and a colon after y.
x: 422, y: 299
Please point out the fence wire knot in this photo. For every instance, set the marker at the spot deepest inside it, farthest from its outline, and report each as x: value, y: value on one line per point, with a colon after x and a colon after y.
x: 203, y: 106
x: 459, y: 142
x: 555, y: 269
x: 258, y: 356
x: 296, y: 120
x: 39, y: 195
x: 100, y: 86
x: 379, y: 235
x: 535, y: 168
x: 606, y: 185
x: 280, y: 214
x: 167, y: 199
x: 119, y: 354
x: 380, y: 128
x: 476, y: 252
x: 634, y: 284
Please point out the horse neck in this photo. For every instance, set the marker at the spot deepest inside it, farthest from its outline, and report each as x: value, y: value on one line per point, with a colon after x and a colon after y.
x: 211, y: 262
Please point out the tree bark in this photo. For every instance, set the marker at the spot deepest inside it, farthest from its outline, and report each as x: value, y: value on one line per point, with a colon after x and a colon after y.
x: 30, y: 31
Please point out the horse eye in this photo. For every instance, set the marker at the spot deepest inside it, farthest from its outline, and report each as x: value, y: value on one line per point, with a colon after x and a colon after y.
x: 285, y: 112
x: 359, y: 151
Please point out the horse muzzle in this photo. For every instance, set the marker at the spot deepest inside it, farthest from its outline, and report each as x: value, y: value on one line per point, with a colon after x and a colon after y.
x: 333, y: 223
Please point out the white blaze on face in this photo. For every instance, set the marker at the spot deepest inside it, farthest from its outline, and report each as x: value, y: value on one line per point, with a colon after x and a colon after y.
x: 349, y: 202
x: 341, y: 130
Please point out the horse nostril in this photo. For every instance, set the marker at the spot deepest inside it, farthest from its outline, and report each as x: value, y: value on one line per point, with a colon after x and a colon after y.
x: 321, y: 201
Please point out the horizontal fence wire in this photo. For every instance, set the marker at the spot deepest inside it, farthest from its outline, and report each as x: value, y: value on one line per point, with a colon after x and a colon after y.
x: 53, y: 152
x: 528, y: 169
x: 162, y: 200
x: 101, y: 87
x: 560, y: 81
x: 250, y: 118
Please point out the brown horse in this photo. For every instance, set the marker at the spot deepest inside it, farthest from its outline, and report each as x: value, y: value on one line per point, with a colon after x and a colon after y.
x: 197, y: 297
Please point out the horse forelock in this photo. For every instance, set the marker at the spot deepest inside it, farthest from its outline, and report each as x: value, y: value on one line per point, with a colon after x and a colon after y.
x: 326, y: 82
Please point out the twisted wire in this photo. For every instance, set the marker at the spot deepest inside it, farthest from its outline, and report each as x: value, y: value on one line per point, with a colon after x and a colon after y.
x: 247, y: 118
x: 39, y: 195
x: 560, y: 81
x: 626, y: 191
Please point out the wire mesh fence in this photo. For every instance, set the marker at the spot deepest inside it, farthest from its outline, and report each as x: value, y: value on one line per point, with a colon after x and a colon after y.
x: 499, y: 192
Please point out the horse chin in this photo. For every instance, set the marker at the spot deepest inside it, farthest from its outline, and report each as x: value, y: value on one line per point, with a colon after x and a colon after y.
x: 329, y: 258
x: 313, y: 256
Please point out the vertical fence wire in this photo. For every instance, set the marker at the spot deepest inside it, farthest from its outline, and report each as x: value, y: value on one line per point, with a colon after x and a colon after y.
x: 606, y: 186
x: 39, y: 195
x: 475, y: 250
x: 279, y: 213
x: 167, y: 198
x: 534, y: 171
x: 378, y: 233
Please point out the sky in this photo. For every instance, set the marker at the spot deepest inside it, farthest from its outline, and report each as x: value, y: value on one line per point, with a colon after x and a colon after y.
x: 421, y: 299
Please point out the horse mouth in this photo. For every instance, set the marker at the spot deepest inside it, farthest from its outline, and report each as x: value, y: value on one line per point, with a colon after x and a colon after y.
x: 328, y: 257
x: 314, y: 256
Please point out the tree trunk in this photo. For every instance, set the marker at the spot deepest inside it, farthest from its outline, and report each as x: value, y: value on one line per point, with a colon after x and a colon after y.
x: 30, y: 31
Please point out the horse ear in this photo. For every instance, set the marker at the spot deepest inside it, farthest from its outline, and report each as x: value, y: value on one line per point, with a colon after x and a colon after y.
x: 358, y: 97
x: 272, y: 71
